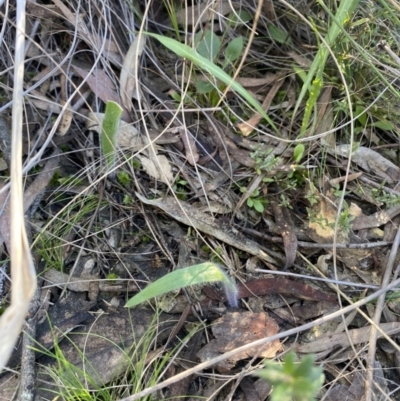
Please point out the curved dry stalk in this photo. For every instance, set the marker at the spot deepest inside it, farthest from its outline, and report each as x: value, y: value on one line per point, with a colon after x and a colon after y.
x: 22, y: 268
x: 377, y: 318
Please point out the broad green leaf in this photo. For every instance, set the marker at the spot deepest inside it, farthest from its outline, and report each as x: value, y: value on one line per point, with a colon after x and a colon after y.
x: 240, y: 17
x: 183, y: 50
x: 197, y: 274
x: 383, y: 125
x: 258, y: 205
x: 207, y: 44
x: 234, y: 49
x: 204, y: 87
x: 363, y: 117
x: 279, y: 35
x: 112, y: 117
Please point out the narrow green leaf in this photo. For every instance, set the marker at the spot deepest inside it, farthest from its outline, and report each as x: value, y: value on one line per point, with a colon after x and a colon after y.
x: 240, y: 17
x: 298, y: 152
x: 197, y: 274
x: 384, y: 125
x: 343, y: 14
x: 362, y: 119
x: 183, y: 50
x: 204, y: 87
x: 112, y: 117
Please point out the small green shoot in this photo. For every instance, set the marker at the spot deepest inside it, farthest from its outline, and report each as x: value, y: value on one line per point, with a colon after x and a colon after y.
x: 254, y: 201
x: 298, y: 152
x: 112, y: 117
x: 314, y: 80
x: 291, y: 380
x: 197, y: 274
x: 123, y: 178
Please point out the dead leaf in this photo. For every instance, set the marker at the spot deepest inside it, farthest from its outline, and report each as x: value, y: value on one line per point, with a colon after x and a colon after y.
x: 158, y: 167
x: 236, y: 329
x: 283, y: 286
x: 187, y: 214
x: 300, y: 60
x: 127, y: 137
x: 66, y: 117
x: 129, y: 69
x: 110, y: 49
x: 322, y: 218
x: 247, y: 82
x: 247, y: 127
x: 42, y: 10
x: 285, y: 223
x: 102, y: 86
x: 356, y: 336
x: 269, y: 10
x: 41, y: 181
x: 192, y: 155
x: 375, y: 220
x: 370, y: 161
x: 203, y: 12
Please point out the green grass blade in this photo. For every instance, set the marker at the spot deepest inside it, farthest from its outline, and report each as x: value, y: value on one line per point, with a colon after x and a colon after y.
x: 197, y: 274
x: 185, y: 51
x: 112, y: 117
x: 344, y: 12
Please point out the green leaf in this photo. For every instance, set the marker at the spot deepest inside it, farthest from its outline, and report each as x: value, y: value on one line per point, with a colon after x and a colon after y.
x: 234, y: 50
x: 204, y: 87
x: 112, y: 117
x: 197, y: 274
x: 298, y: 152
x: 183, y: 50
x: 250, y: 202
x: 240, y: 17
x: 363, y: 117
x: 258, y: 205
x: 207, y: 44
x: 300, y: 381
x: 279, y: 35
x: 383, y: 125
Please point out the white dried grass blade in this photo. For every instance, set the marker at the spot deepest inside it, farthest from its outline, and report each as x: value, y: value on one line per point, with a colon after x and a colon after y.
x: 129, y: 70
x: 22, y: 268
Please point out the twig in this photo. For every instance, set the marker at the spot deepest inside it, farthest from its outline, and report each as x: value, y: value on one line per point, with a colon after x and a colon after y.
x: 304, y: 244
x: 325, y: 280
x: 27, y: 386
x: 377, y: 317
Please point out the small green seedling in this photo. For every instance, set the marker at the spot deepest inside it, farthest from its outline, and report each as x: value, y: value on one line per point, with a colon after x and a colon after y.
x: 298, y: 152
x: 112, y: 117
x: 254, y: 200
x: 197, y: 274
x: 291, y: 380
